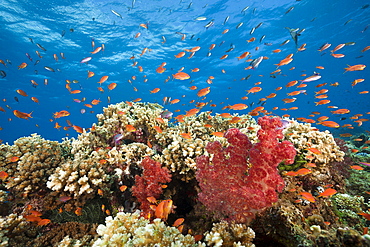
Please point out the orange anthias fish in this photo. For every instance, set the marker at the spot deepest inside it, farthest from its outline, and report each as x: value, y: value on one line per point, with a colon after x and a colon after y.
x: 3, y: 175
x: 340, y: 111
x: 285, y: 61
x: 355, y: 67
x: 308, y: 196
x: 112, y: 86
x: 192, y: 112
x: 21, y: 92
x: 23, y: 115
x: 155, y: 90
x: 181, y: 76
x: 60, y: 114
x: 328, y: 192
x: 203, y: 92
x: 238, y: 107
x: 254, y: 90
x: 22, y: 66
x: 186, y: 135
x: 314, y: 150
x: 130, y: 128
x: 330, y: 124
x: 366, y: 216
x: 103, y: 79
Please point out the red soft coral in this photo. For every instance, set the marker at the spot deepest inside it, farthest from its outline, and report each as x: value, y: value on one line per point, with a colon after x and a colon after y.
x: 242, y: 179
x: 150, y: 184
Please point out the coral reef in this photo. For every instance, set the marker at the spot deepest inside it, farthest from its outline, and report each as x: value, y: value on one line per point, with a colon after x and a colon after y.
x: 55, y: 193
x: 242, y: 179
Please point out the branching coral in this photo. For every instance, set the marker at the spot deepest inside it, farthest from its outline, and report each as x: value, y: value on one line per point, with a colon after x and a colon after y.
x: 305, y: 139
x: 230, y: 234
x: 30, y: 161
x: 132, y: 230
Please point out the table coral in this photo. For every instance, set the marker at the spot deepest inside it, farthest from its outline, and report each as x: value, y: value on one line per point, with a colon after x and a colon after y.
x: 242, y: 179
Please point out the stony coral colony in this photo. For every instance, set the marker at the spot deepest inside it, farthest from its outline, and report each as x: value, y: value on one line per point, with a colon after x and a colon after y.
x: 203, y: 181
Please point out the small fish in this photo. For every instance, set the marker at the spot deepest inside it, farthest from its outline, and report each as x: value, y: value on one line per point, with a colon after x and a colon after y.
x: 86, y: 60
x: 209, y: 24
x: 262, y: 38
x: 63, y: 33
x: 308, y: 196
x: 256, y: 62
x: 365, y: 29
x: 2, y: 73
x: 243, y: 10
x: 259, y: 24
x: 40, y: 46
x: 239, y: 25
x: 29, y: 57
x: 201, y: 18
x: 347, y: 22
x: 3, y: 175
x: 226, y: 19
x: 49, y: 69
x: 290, y: 9
x: 294, y: 34
x: 328, y: 192
x: 252, y: 31
x: 232, y: 47
x: 116, y: 13
x: 166, y: 114
x: 285, y: 42
x: 22, y: 114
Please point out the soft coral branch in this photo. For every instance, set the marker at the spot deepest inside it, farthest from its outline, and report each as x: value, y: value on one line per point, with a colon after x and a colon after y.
x: 150, y: 184
x: 242, y: 179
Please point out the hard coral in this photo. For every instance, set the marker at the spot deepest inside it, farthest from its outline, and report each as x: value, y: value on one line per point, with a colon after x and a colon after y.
x: 242, y: 179
x: 149, y: 184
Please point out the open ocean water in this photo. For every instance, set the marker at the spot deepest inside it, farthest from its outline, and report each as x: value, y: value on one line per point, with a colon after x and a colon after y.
x: 163, y: 29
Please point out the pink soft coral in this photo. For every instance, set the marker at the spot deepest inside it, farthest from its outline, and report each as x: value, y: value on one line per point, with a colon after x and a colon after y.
x: 242, y: 179
x: 150, y: 184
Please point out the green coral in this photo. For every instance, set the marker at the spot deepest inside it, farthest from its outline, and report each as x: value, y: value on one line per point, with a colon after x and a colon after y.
x: 91, y: 213
x: 358, y: 183
x: 347, y: 208
x: 299, y: 161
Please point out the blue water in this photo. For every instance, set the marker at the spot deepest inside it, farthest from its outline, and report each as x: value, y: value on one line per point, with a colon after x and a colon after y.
x: 70, y: 26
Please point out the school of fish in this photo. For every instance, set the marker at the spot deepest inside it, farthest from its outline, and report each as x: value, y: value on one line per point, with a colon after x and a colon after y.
x: 200, y: 92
